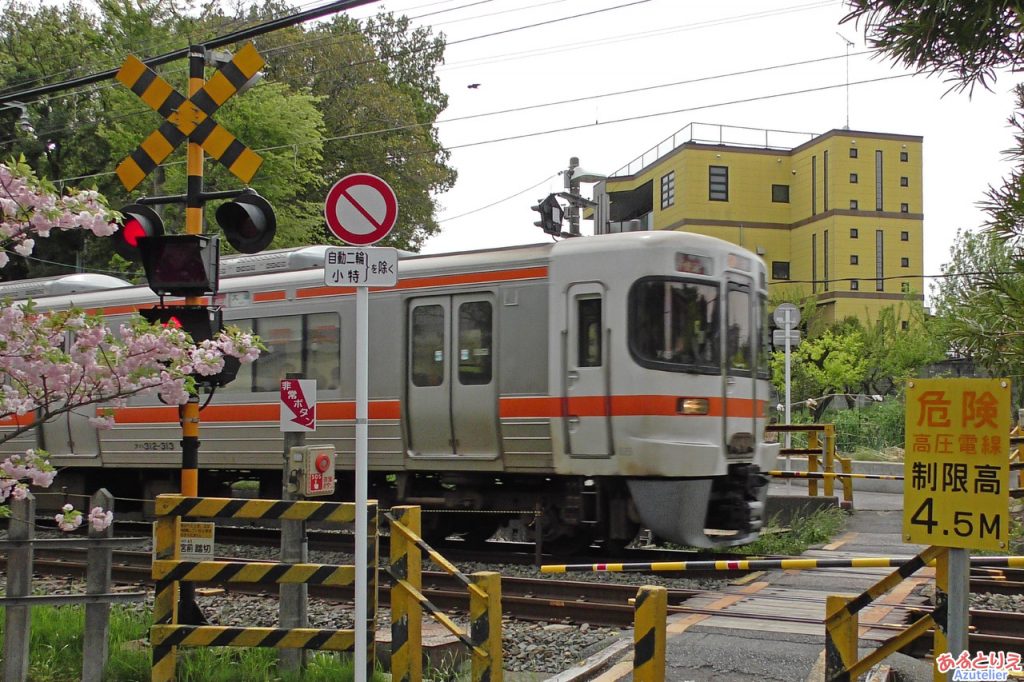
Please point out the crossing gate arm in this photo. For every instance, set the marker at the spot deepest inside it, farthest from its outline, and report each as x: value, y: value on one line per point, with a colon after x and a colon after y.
x: 841, y: 623
x: 439, y: 615
x: 449, y: 567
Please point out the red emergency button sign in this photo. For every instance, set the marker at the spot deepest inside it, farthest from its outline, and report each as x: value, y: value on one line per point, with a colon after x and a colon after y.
x: 323, y: 463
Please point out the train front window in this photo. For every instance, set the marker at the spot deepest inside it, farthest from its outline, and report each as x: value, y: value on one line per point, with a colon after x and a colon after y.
x: 673, y: 324
x: 739, y: 334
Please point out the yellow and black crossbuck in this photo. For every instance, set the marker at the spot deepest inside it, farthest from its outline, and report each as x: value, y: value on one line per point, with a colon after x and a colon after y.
x: 189, y: 118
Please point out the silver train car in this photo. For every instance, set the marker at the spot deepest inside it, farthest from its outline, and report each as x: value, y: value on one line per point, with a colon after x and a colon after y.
x: 610, y: 382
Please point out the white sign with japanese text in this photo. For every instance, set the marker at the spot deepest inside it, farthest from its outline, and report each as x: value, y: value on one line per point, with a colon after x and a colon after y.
x: 298, y: 405
x: 354, y: 266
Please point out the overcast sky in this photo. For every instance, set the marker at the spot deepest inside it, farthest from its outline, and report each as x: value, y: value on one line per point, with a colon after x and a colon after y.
x: 661, y: 42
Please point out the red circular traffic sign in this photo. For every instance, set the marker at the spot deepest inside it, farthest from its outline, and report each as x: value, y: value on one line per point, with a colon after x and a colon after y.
x: 361, y: 209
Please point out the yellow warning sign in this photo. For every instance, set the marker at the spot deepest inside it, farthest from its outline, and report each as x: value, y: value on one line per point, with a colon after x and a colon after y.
x: 956, y: 465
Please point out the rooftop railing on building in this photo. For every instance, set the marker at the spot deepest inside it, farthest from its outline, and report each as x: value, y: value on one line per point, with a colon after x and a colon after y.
x: 715, y: 134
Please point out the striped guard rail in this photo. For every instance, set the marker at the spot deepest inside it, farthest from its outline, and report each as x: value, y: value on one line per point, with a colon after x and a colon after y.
x: 254, y: 572
x: 279, y: 638
x: 766, y: 564
x: 233, y: 508
x: 829, y: 474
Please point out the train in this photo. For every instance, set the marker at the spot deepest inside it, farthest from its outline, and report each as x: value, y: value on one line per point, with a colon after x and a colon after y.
x: 593, y: 385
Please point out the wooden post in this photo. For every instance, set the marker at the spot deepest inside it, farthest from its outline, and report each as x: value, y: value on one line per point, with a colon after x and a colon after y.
x: 18, y: 619
x: 294, y: 550
x: 97, y: 581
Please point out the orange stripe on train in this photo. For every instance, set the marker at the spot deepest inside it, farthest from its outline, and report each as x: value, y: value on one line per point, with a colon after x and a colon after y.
x: 510, y: 408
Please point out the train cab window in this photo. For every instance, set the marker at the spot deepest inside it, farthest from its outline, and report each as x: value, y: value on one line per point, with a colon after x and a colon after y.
x: 765, y: 349
x: 475, y: 343
x: 588, y: 315
x: 739, y: 335
x: 427, y: 360
x: 673, y: 325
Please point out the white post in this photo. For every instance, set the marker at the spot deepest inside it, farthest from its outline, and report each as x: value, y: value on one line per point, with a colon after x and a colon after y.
x: 362, y: 391
x: 789, y: 326
x: 958, y: 602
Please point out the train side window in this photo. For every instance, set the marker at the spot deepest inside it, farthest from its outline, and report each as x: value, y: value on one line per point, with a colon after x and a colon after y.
x: 588, y: 316
x: 243, y: 380
x: 283, y: 339
x: 427, y: 345
x: 475, y: 343
x: 323, y: 350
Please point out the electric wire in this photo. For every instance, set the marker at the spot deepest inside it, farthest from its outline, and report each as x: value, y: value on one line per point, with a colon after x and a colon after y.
x: 499, y: 201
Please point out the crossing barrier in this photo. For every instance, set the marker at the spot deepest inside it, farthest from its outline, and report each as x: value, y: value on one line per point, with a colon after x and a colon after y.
x: 767, y: 565
x: 408, y: 604
x: 821, y: 443
x: 841, y: 622
x: 649, y: 623
x: 169, y: 570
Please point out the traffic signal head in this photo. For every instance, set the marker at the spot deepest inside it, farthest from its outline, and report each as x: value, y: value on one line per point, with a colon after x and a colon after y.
x: 248, y: 222
x: 550, y: 215
x: 137, y: 221
x: 181, y: 264
x: 200, y: 322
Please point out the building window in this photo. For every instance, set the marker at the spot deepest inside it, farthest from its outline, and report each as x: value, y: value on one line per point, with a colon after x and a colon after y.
x: 853, y: 178
x: 814, y: 185
x: 905, y: 287
x: 780, y: 194
x: 854, y: 260
x: 878, y: 179
x: 825, y: 248
x: 879, y: 264
x: 780, y: 269
x: 853, y: 233
x: 853, y: 152
x: 904, y: 262
x: 904, y: 181
x: 718, y: 183
x: 854, y: 285
x: 824, y: 180
x: 904, y: 208
x: 904, y: 236
x: 853, y: 204
x: 814, y: 263
x: 904, y: 325
x: 668, y: 189
x: 904, y: 156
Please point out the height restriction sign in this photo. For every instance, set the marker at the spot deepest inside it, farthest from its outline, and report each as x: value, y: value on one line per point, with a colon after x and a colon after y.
x: 956, y: 465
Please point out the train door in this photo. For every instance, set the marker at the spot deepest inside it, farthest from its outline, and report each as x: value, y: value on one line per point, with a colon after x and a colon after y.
x: 741, y: 346
x: 586, y: 381
x: 452, y: 389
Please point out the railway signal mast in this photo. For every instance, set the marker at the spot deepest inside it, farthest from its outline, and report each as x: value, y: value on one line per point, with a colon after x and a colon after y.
x: 187, y: 265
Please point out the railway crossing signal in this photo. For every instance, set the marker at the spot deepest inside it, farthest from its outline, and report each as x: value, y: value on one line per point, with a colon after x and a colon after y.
x: 181, y: 264
x: 248, y: 222
x: 189, y: 118
x: 200, y: 322
x: 550, y: 215
x: 139, y: 221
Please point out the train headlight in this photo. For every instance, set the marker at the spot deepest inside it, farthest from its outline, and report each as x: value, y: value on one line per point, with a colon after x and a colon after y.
x: 692, y: 406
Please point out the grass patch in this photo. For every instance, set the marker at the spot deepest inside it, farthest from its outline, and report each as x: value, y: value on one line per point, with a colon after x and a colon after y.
x: 891, y: 454
x: 245, y: 485
x: 802, y: 532
x: 56, y: 653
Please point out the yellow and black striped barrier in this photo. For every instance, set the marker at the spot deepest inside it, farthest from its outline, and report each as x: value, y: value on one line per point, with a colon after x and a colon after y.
x: 821, y: 448
x: 168, y: 570
x: 766, y: 565
x: 830, y: 474
x: 649, y: 622
x: 841, y: 622
x: 408, y: 604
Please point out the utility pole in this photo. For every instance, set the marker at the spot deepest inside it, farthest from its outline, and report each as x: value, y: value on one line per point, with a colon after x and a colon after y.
x: 574, y: 176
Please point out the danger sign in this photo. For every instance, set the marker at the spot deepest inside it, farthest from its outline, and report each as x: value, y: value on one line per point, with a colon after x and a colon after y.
x: 361, y: 209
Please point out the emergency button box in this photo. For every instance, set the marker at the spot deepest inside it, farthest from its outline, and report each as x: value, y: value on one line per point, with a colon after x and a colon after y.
x: 314, y: 466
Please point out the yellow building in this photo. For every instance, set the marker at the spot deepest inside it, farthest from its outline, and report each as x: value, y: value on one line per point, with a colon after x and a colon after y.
x: 836, y: 216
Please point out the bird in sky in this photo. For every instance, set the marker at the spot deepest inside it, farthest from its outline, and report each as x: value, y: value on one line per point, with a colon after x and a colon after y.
x: 473, y: 86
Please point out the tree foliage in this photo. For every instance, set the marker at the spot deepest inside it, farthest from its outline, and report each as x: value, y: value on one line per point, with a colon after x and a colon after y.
x: 330, y: 88
x: 970, y: 39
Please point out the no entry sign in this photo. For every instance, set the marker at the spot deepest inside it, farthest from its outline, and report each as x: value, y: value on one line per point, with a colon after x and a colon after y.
x: 361, y: 209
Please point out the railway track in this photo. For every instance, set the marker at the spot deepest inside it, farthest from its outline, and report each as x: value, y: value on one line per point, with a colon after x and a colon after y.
x: 534, y: 599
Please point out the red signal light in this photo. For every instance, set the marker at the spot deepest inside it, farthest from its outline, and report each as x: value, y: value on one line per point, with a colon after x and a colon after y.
x: 139, y: 221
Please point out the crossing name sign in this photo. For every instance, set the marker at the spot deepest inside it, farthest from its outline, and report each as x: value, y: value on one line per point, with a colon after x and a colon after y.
x: 956, y: 465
